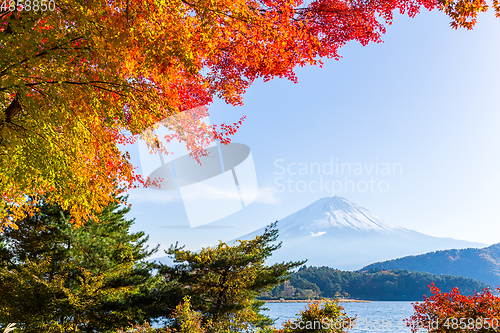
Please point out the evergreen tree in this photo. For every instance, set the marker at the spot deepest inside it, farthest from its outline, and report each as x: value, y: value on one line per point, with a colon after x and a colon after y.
x: 57, y: 278
x: 223, y: 281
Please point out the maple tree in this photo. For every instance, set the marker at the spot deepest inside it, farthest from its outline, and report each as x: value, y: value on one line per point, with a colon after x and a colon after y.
x: 453, y: 312
x: 79, y: 77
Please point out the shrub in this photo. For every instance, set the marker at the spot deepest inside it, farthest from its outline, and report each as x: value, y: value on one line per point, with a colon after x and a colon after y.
x: 320, y: 316
x: 452, y: 312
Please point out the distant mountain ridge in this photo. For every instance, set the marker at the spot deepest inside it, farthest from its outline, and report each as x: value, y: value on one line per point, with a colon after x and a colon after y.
x: 479, y: 264
x: 337, y: 233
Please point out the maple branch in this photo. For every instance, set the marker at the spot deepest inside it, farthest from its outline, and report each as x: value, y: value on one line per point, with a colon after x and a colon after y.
x: 57, y: 47
x: 91, y: 83
x: 127, y: 12
x: 4, y: 14
x: 192, y: 5
x: 11, y: 124
x: 40, y: 92
x: 12, y: 110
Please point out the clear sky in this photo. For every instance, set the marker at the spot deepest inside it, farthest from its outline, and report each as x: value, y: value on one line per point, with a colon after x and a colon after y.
x: 425, y: 103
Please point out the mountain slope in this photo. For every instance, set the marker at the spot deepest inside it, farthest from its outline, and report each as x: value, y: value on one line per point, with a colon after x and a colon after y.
x: 480, y: 264
x: 338, y: 233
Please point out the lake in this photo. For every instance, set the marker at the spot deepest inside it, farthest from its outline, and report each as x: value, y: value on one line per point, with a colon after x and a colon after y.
x: 376, y: 317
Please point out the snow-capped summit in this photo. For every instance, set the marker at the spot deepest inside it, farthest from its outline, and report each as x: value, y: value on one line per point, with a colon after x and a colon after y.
x: 338, y: 233
x: 336, y: 212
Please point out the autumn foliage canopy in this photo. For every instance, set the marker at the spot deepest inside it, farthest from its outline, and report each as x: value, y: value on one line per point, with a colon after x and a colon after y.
x: 451, y: 312
x: 80, y: 79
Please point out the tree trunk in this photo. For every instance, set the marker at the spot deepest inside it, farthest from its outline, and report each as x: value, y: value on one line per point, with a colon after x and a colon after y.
x: 13, y: 109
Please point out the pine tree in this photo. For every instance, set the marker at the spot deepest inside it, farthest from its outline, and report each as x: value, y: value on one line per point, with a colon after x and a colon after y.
x: 57, y: 278
x: 223, y: 281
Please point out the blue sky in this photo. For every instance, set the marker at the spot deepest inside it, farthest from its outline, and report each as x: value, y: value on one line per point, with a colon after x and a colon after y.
x: 426, y: 101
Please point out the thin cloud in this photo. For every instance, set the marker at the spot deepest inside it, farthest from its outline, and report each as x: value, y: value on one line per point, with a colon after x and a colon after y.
x: 154, y: 196
x: 267, y: 195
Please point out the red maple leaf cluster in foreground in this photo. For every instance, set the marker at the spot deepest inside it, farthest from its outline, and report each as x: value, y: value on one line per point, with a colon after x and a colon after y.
x: 451, y: 312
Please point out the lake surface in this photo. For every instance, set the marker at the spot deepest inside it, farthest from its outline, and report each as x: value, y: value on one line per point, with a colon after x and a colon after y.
x: 376, y: 317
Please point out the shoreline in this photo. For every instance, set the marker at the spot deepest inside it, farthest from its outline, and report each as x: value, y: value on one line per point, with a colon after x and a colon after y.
x: 341, y: 300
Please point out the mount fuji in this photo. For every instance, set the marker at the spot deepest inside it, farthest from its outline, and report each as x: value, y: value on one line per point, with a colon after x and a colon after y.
x: 337, y: 233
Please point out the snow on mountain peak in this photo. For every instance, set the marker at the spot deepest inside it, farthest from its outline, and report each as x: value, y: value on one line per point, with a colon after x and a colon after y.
x: 338, y: 233
x: 334, y: 212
